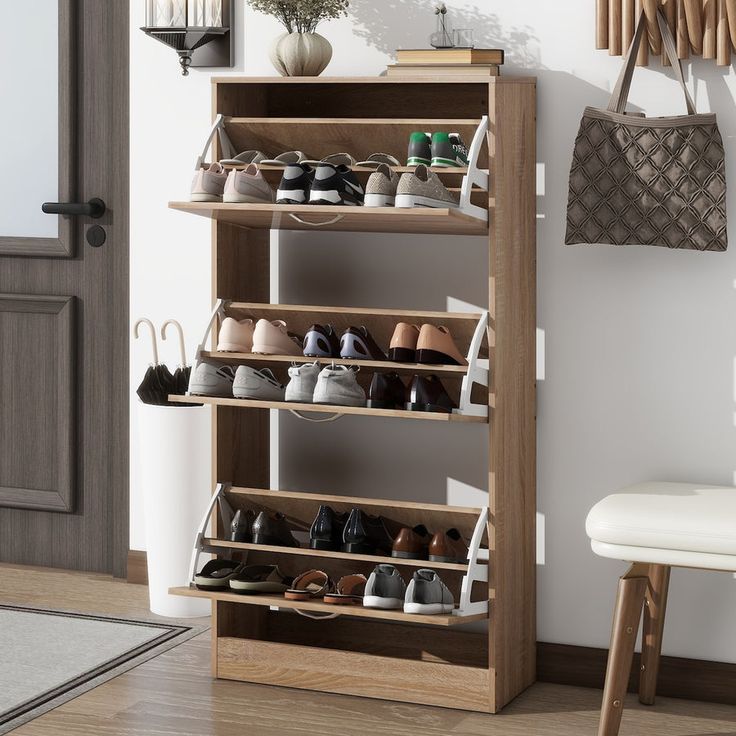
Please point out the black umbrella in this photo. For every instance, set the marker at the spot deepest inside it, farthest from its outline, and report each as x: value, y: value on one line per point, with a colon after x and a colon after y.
x: 181, y: 374
x: 158, y: 382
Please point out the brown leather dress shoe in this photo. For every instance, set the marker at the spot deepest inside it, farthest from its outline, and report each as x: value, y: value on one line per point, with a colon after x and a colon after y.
x: 436, y: 346
x: 448, y: 546
x: 403, y: 345
x: 412, y: 544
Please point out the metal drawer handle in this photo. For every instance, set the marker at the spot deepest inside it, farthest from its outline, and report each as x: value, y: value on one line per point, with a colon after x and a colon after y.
x: 330, y: 418
x: 335, y: 219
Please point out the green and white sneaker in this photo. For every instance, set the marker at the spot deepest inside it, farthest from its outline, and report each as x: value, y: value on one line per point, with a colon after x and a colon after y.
x: 420, y: 149
x: 448, y: 151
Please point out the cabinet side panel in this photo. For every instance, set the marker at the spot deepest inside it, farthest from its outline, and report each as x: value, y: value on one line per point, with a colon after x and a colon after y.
x: 512, y: 482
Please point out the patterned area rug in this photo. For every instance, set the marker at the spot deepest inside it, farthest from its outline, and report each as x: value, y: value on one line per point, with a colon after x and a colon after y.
x: 50, y: 657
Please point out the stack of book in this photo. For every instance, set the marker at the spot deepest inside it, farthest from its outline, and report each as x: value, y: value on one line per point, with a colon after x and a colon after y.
x: 444, y: 63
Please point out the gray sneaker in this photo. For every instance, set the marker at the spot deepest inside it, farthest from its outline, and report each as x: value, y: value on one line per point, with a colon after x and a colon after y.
x: 247, y: 185
x: 337, y: 384
x: 251, y: 383
x: 427, y: 594
x: 380, y: 191
x: 385, y: 588
x: 423, y: 188
x: 303, y: 380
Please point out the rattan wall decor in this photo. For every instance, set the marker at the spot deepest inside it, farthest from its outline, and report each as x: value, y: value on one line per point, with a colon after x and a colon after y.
x: 704, y: 28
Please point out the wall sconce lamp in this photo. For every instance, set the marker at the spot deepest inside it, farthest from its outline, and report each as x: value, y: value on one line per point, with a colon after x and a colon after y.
x: 198, y: 30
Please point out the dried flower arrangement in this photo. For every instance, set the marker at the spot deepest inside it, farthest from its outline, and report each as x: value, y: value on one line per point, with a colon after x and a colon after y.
x: 301, y: 16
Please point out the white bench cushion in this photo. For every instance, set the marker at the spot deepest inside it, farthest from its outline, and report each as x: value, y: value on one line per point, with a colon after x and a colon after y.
x: 681, y: 517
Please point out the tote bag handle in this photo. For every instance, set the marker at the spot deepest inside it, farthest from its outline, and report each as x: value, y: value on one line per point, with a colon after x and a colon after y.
x: 620, y: 95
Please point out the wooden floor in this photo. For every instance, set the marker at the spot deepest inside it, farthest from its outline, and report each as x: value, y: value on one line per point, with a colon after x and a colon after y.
x: 174, y: 695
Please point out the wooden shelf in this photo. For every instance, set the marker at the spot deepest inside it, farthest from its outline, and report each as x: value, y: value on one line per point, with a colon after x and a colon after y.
x: 439, y: 170
x: 264, y: 361
x: 332, y: 555
x: 320, y: 136
x: 327, y: 409
x: 317, y: 607
x: 380, y: 322
x: 426, y: 124
x: 318, y: 218
x: 300, y: 509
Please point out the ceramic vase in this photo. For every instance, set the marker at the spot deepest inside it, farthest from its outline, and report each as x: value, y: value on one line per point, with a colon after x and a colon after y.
x: 300, y: 54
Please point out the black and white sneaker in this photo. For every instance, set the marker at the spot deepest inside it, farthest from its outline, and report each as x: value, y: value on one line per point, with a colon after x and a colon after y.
x: 295, y: 184
x: 336, y: 185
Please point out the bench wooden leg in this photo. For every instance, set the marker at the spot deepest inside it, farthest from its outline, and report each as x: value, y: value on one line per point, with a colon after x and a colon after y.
x: 655, y: 605
x: 632, y: 588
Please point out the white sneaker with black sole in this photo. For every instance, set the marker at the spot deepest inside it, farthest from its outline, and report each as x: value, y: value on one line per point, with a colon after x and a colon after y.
x: 251, y: 383
x: 295, y: 184
x: 336, y: 185
x: 212, y: 380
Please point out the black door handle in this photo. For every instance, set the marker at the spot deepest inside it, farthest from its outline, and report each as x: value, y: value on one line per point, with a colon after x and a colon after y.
x: 94, y: 208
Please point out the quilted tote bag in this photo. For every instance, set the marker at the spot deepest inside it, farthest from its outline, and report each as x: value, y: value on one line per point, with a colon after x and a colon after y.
x: 647, y: 181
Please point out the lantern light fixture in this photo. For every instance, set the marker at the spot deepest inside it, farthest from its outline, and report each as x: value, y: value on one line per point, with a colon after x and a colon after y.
x: 198, y: 30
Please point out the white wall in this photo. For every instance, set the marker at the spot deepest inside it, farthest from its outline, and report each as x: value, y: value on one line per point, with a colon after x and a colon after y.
x: 637, y: 377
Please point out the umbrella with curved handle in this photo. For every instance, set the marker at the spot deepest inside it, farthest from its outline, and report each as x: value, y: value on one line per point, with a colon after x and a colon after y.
x: 181, y: 374
x: 158, y: 382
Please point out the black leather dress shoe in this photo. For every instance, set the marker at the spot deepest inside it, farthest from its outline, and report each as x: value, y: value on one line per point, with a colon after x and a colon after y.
x: 327, y: 528
x: 273, y: 529
x: 242, y: 526
x: 366, y: 535
x: 427, y: 393
x: 387, y: 391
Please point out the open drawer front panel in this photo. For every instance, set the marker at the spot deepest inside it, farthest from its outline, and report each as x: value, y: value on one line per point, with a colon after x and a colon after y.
x: 352, y: 656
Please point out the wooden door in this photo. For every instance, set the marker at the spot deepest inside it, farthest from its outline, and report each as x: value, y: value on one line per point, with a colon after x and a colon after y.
x: 63, y: 302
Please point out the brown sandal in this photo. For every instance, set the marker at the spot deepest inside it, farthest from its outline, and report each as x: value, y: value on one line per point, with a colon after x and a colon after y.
x: 349, y: 591
x: 310, y: 584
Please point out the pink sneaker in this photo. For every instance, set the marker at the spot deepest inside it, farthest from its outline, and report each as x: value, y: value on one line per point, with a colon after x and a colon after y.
x: 235, y: 337
x: 272, y: 338
x: 208, y: 184
x: 247, y: 185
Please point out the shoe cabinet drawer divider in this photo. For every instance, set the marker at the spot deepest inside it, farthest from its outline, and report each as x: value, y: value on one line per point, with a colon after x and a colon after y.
x: 438, y: 660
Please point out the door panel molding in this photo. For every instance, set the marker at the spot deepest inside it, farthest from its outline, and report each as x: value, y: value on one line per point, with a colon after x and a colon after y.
x: 62, y: 246
x: 60, y: 498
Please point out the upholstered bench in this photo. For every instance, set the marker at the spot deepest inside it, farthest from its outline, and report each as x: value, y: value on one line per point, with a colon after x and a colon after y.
x: 655, y: 526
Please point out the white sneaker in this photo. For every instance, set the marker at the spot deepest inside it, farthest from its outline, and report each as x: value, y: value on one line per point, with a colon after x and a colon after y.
x: 246, y: 186
x: 212, y: 380
x: 337, y: 384
x: 303, y: 380
x: 251, y: 383
x: 208, y: 184
x: 235, y: 337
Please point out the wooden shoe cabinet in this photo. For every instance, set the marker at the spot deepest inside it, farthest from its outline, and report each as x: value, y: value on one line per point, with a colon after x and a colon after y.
x: 484, y: 654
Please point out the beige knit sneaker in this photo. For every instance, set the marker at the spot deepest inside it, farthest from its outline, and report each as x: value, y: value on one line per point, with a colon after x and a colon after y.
x: 423, y: 188
x: 208, y: 184
x: 380, y: 191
